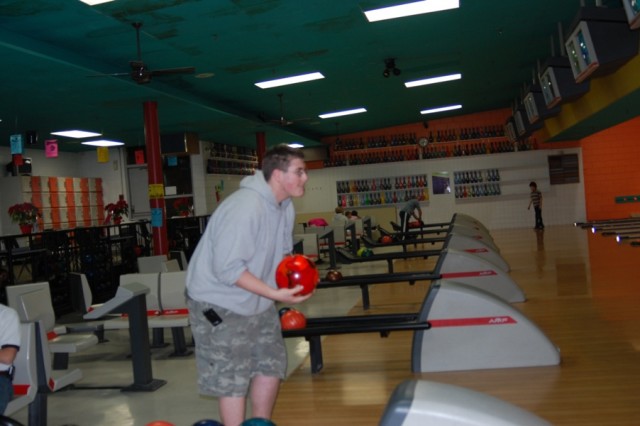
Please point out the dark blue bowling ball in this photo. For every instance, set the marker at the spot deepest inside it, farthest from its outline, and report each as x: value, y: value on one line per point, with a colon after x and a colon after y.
x: 283, y: 310
x: 208, y: 422
x: 257, y: 421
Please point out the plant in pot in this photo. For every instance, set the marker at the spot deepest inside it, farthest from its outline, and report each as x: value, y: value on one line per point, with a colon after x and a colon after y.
x: 25, y: 215
x: 116, y: 210
x: 182, y: 206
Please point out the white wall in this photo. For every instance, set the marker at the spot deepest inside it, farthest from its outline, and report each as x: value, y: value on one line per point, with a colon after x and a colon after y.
x: 563, y: 204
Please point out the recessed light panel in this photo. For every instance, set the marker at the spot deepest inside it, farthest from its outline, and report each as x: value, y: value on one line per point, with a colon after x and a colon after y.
x: 341, y: 113
x: 433, y: 80
x: 290, y: 80
x: 95, y: 2
x: 409, y: 9
x: 103, y: 143
x: 76, y: 134
x: 440, y: 109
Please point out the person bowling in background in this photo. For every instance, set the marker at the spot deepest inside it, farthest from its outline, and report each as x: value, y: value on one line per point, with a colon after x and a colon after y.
x: 411, y: 209
x: 536, y: 200
x: 231, y: 288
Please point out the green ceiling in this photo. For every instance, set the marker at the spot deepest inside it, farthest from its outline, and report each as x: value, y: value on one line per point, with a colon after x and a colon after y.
x: 51, y: 50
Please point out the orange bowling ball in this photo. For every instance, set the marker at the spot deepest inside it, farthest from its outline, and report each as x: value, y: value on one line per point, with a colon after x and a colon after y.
x: 293, y: 320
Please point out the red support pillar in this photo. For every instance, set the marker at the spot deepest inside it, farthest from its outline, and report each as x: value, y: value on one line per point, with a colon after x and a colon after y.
x: 156, y: 179
x: 261, y: 147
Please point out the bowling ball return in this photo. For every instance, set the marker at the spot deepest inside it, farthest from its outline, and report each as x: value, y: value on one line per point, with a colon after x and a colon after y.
x: 364, y: 281
x: 452, y: 240
x: 458, y: 327
x: 413, y: 235
x: 422, y: 402
x: 347, y: 256
x: 383, y: 324
x: 455, y: 265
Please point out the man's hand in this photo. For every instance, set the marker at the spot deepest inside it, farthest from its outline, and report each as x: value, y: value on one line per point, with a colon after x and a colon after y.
x: 290, y: 295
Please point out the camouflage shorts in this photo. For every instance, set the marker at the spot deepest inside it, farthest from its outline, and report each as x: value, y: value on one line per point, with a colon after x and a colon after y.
x: 231, y: 353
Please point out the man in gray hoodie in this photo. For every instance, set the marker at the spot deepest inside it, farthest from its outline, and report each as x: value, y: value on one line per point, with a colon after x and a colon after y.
x: 231, y: 288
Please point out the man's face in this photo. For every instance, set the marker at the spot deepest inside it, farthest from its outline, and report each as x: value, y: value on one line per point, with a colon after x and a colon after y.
x: 294, y: 178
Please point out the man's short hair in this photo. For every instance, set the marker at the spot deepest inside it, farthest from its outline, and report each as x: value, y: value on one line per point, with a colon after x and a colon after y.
x: 279, y: 158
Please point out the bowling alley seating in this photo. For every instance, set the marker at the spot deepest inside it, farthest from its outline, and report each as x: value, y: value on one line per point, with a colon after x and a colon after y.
x: 174, y: 308
x: 25, y: 381
x: 157, y: 319
x: 33, y: 303
x: 422, y: 402
x: 180, y: 257
x: 158, y: 263
x: 34, y: 378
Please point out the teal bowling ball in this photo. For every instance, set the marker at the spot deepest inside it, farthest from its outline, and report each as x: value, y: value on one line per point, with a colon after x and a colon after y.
x: 364, y: 252
x: 257, y: 421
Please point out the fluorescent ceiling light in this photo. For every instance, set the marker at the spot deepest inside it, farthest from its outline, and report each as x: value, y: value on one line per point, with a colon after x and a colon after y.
x: 289, y: 80
x: 76, y: 134
x: 103, y: 142
x: 296, y: 145
x: 440, y: 109
x: 94, y: 2
x: 409, y: 9
x: 433, y: 80
x: 341, y: 113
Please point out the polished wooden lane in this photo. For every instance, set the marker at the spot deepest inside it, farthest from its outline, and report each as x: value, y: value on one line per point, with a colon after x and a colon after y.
x: 583, y: 291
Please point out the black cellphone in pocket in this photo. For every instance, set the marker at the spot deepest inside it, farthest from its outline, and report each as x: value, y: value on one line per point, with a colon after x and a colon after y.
x: 213, y: 317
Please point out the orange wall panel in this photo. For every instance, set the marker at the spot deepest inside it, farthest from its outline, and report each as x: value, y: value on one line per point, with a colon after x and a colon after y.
x: 610, y: 165
x: 36, y: 185
x: 68, y: 184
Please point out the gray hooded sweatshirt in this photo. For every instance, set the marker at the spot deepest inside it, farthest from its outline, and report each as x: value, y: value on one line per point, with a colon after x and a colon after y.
x: 248, y: 231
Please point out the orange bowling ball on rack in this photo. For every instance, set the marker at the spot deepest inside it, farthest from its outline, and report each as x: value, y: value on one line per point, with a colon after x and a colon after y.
x: 386, y: 239
x: 296, y: 270
x: 293, y: 319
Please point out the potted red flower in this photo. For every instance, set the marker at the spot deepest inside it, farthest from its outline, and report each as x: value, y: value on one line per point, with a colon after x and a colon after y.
x: 116, y: 210
x: 182, y: 206
x: 25, y: 215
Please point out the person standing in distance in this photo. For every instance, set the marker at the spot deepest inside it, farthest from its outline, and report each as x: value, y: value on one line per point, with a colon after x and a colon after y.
x: 9, y: 347
x: 535, y: 198
x: 411, y: 209
x: 231, y: 289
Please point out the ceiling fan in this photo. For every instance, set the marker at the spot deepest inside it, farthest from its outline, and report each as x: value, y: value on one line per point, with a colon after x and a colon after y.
x: 140, y: 72
x: 282, y: 121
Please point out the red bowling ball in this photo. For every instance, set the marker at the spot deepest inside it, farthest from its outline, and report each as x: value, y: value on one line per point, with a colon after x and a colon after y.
x: 333, y: 275
x: 293, y: 320
x: 296, y: 270
x: 386, y: 239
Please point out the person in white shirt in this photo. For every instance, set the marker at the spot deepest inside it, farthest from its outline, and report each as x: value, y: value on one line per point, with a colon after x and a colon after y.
x: 9, y: 347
